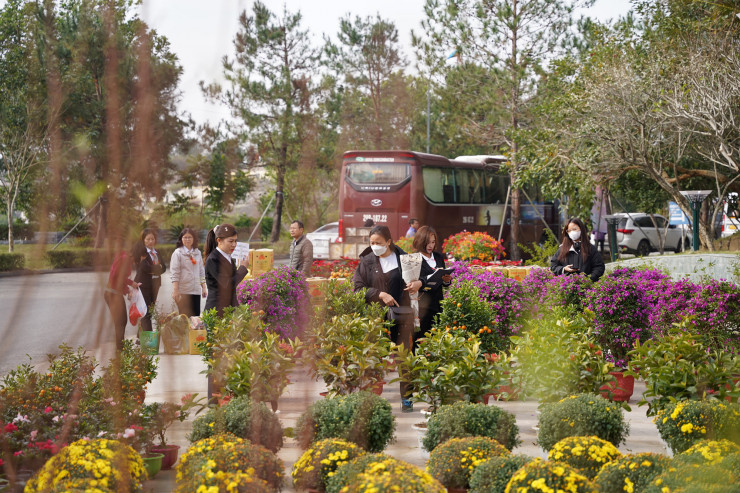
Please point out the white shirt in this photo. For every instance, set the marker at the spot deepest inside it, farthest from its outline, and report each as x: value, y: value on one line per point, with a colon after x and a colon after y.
x: 388, y: 263
x: 432, y: 263
x: 226, y: 255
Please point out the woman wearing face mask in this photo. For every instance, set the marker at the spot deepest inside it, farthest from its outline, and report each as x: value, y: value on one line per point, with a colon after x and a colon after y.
x: 576, y: 254
x: 379, y: 271
x: 425, y: 241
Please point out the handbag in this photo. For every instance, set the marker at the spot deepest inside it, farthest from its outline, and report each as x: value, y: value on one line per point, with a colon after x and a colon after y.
x: 400, y: 314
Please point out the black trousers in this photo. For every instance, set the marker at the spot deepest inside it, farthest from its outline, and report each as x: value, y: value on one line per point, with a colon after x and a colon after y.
x: 117, y: 306
x: 403, y: 334
x: 189, y: 305
x: 150, y: 298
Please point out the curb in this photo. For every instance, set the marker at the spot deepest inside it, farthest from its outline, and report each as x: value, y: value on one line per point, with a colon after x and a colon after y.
x: 31, y: 272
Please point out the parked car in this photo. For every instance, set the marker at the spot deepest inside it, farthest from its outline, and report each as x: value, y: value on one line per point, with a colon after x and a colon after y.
x: 322, y: 237
x: 637, y: 234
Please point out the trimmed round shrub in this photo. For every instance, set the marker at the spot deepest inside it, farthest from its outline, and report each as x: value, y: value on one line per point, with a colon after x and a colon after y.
x: 631, y: 472
x: 587, y: 454
x: 694, y: 478
x: 452, y: 462
x: 244, y: 418
x: 493, y: 475
x: 463, y: 419
x: 539, y: 475
x: 361, y: 417
x: 682, y: 424
x: 707, y: 452
x: 216, y: 461
x: 318, y: 463
x: 581, y: 415
x: 380, y: 472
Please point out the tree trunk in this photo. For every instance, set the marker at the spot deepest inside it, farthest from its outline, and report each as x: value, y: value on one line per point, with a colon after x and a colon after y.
x: 100, y: 234
x: 10, y: 226
x: 280, y: 182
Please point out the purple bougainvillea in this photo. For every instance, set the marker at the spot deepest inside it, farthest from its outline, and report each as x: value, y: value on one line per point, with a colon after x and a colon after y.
x: 282, y: 296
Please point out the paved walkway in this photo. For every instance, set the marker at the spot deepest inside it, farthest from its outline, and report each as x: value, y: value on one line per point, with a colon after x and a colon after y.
x: 180, y: 374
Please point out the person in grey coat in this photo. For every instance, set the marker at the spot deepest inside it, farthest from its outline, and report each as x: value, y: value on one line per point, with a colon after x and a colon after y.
x: 301, y: 249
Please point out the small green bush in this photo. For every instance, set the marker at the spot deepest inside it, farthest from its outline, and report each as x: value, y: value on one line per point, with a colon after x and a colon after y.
x: 682, y: 424
x: 549, y: 476
x: 380, y: 472
x: 694, y: 478
x: 588, y: 454
x: 462, y: 419
x: 346, y: 474
x: 243, y: 418
x: 12, y: 261
x: 493, y: 475
x: 581, y: 415
x: 362, y: 418
x: 631, y: 472
x: 707, y: 452
x: 453, y: 462
x: 68, y: 259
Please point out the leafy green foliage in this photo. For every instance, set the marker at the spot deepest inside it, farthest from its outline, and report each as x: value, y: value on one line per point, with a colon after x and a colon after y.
x: 541, y: 254
x: 494, y: 474
x: 463, y: 419
x: 362, y: 418
x: 12, y: 261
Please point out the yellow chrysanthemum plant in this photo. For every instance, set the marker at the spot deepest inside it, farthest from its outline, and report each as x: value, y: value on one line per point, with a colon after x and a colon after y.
x: 381, y: 472
x: 587, y: 454
x: 107, y: 465
x: 707, y: 452
x: 540, y: 475
x: 227, y: 463
x: 682, y: 424
x: 631, y: 473
x: 708, y: 466
x: 452, y: 463
x: 320, y: 461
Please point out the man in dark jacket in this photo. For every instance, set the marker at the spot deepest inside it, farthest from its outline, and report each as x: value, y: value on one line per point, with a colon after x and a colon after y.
x: 301, y: 249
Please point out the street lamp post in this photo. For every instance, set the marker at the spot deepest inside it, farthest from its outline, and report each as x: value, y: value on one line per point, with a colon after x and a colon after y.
x: 695, y: 198
x: 612, y: 221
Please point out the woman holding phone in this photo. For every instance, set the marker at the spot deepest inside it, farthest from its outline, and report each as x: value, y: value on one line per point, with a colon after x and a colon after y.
x: 575, y: 255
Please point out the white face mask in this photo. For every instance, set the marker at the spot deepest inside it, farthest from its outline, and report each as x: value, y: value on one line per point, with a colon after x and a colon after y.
x: 379, y: 249
x: 574, y: 235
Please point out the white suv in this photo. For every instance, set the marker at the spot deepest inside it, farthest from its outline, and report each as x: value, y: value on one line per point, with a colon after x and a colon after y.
x: 637, y: 234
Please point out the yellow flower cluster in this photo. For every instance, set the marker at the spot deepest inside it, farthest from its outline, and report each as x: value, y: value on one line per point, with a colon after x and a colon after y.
x: 709, y: 451
x: 587, y: 454
x: 548, y: 477
x: 101, y: 463
x: 319, y: 462
x: 393, y: 475
x: 453, y: 461
x: 631, y: 473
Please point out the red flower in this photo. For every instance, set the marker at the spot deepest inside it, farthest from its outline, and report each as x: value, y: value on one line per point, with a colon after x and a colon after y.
x: 10, y: 428
x: 48, y: 410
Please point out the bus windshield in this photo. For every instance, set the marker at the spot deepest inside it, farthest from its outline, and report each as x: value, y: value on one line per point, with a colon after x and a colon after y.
x: 374, y: 173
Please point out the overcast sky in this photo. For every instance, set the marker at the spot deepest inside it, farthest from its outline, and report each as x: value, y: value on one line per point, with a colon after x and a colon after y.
x: 201, y: 32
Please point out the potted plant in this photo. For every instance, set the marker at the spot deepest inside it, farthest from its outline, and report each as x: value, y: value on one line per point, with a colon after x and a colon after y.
x: 581, y: 415
x: 361, y: 417
x: 463, y: 419
x: 588, y: 454
x: 349, y: 353
x: 448, y: 367
x: 631, y: 471
x: 684, y: 423
x: 494, y: 474
x: 452, y: 462
x: 548, y: 476
x: 679, y: 365
x: 157, y: 418
x: 318, y: 463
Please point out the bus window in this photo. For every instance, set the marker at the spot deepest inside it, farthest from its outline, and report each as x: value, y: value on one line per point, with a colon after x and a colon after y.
x: 495, y: 187
x: 470, y: 185
x: 377, y: 173
x: 439, y: 185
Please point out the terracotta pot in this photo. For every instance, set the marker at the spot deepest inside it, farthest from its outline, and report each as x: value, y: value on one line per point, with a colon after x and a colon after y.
x: 170, y: 455
x: 619, y: 390
x: 376, y: 388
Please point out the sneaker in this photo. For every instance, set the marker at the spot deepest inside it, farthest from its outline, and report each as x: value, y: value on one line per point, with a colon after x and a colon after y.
x: 407, y: 406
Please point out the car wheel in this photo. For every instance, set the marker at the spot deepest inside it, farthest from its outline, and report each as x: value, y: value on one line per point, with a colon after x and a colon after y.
x: 679, y: 247
x: 643, y: 248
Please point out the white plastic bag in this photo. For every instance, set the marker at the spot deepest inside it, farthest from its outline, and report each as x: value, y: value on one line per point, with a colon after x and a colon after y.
x: 137, y: 308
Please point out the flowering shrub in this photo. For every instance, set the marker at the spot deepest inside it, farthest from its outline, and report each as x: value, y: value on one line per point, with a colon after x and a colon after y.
x: 344, y: 267
x: 380, y: 472
x: 588, y: 454
x: 228, y: 463
x: 495, y: 473
x: 463, y: 419
x: 405, y: 243
x: 581, y: 415
x: 707, y: 452
x: 568, y: 292
x: 682, y: 424
x: 281, y: 298
x: 473, y: 246
x: 318, y: 463
x: 694, y: 478
x: 362, y: 418
x: 630, y: 472
x: 111, y: 464
x: 539, y: 475
x: 453, y: 462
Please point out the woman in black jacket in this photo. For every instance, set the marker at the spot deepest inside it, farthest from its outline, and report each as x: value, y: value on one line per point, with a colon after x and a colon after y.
x: 149, y: 270
x: 379, y: 271
x: 222, y: 275
x: 430, y: 297
x: 576, y: 254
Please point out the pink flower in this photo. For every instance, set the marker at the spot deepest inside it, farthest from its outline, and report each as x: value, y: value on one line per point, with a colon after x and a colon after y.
x: 10, y: 428
x: 17, y: 453
x: 33, y: 434
x: 48, y: 410
x: 129, y: 432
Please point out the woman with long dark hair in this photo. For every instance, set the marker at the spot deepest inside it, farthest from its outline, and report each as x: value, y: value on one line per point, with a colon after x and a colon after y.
x: 379, y: 271
x: 149, y: 270
x: 188, y: 275
x: 430, y: 297
x: 575, y: 254
x: 221, y: 273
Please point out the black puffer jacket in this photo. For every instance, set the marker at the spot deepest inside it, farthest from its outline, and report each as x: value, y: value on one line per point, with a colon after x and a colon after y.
x: 593, y: 266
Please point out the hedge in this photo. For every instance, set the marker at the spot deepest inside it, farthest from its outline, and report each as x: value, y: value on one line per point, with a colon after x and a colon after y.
x: 12, y: 261
x: 65, y: 259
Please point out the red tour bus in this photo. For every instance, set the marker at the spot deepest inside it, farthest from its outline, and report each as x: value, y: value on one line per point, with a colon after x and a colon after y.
x: 466, y: 193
